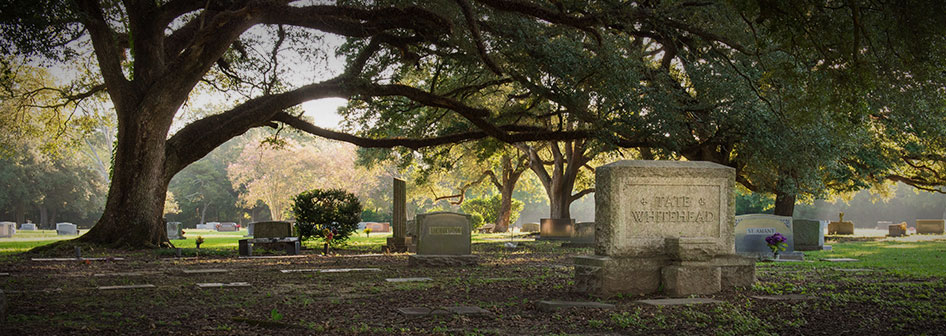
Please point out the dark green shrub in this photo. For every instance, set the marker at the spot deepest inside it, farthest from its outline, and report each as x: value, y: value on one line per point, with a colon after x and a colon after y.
x: 334, y: 209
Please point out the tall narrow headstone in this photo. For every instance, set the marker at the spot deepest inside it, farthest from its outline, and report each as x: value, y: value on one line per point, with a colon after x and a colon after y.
x: 663, y: 226
x: 399, y: 241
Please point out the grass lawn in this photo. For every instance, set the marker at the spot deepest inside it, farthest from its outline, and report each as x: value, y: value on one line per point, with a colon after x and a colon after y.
x: 896, y: 287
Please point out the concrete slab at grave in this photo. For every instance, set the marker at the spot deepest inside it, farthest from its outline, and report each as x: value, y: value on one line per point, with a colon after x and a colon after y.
x: 553, y: 305
x: 840, y: 259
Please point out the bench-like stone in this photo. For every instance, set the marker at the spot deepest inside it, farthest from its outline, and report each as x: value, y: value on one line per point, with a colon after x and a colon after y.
x: 676, y: 302
x: 552, y: 305
x: 125, y: 287
x: 459, y: 310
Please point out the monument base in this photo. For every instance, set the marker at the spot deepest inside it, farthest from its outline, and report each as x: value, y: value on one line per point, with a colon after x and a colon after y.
x: 607, y: 276
x: 442, y: 260
x: 400, y: 245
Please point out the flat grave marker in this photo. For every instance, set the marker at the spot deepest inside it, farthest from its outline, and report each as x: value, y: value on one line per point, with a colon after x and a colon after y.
x: 553, y: 305
x: 78, y: 259
x: 125, y: 287
x: 676, y: 302
x: 459, y: 310
x: 223, y: 285
x: 205, y: 271
x: 786, y: 297
x: 408, y: 279
x: 840, y: 259
x: 330, y: 270
x: 118, y: 274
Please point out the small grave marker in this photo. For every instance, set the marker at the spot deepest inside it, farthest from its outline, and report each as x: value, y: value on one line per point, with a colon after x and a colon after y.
x: 840, y: 259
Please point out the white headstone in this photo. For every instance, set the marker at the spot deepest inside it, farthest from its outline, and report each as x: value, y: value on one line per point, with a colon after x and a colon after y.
x: 751, y: 231
x: 28, y: 227
x: 7, y: 229
x: 175, y: 231
x: 66, y: 229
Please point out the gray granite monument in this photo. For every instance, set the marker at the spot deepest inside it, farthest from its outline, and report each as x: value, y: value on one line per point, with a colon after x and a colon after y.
x: 930, y: 226
x: 399, y: 240
x: 443, y: 239
x: 663, y: 226
x: 175, y: 230
x: 808, y: 234
x: 64, y: 229
x: 28, y: 227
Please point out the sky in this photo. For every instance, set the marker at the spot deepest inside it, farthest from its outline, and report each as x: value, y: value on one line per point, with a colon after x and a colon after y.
x: 324, y: 111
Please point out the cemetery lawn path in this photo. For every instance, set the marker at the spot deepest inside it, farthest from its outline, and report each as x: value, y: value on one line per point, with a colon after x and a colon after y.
x: 895, y: 288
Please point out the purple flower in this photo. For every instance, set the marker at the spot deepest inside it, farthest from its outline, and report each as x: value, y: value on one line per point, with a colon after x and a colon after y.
x: 775, y: 239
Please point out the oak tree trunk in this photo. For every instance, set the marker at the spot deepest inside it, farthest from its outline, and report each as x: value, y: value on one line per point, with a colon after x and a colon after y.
x: 784, y: 204
x: 135, y: 205
x: 505, y: 208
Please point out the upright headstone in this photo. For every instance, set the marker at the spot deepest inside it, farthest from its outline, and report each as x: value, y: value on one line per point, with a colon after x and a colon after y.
x: 663, y: 225
x: 443, y: 239
x: 530, y: 227
x: 63, y: 229
x: 897, y: 230
x: 809, y: 234
x: 751, y: 231
x: 930, y: 226
x: 175, y: 230
x: 584, y: 235
x: 883, y: 225
x: 276, y: 229
x: 841, y: 227
x: 556, y: 228
x: 227, y: 227
x: 28, y: 227
x: 399, y: 241
x: 378, y: 227
x: 7, y: 229
x: 208, y: 226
